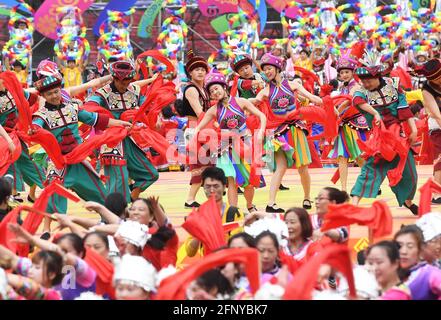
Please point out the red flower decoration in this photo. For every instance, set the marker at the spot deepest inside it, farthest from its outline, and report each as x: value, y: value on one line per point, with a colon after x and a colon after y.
x: 283, y: 103
x: 232, y: 123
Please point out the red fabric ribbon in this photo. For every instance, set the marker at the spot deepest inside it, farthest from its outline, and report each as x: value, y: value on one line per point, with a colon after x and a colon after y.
x: 104, y: 270
x: 405, y: 79
x: 308, y: 77
x: 175, y: 286
x: 34, y: 218
x: 304, y: 280
x: 378, y: 217
x: 155, y: 54
x: 14, y: 87
x: 205, y: 224
x: 6, y: 158
x: 387, y: 144
x: 426, y: 192
x: 5, y: 235
x: 111, y: 136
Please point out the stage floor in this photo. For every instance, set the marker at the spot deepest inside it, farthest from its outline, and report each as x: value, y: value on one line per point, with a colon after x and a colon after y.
x: 172, y: 188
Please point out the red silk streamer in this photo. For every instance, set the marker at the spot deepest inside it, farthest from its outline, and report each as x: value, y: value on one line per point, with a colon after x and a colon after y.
x: 155, y: 54
x: 6, y: 158
x: 426, y: 192
x: 5, y: 234
x: 378, y: 217
x: 336, y: 176
x: 308, y: 77
x: 233, y: 91
x: 35, y: 216
x: 230, y: 226
x: 14, y: 87
x: 143, y: 136
x: 205, y: 224
x: 111, y: 136
x: 304, y: 280
x: 288, y: 260
x: 404, y: 76
x: 104, y: 270
x: 387, y: 144
x: 175, y: 286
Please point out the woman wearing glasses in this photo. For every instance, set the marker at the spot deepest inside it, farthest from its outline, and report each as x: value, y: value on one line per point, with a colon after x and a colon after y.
x: 325, y: 197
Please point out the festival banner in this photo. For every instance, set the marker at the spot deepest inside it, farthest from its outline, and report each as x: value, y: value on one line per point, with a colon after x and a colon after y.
x: 421, y: 4
x: 214, y: 8
x: 280, y: 5
x: 45, y: 17
x: 5, y: 12
x: 148, y: 18
x: 221, y: 25
x: 9, y: 3
x: 113, y: 5
x: 261, y: 12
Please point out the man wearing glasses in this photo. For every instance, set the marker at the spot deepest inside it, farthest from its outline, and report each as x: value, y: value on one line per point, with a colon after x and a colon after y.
x: 215, y: 182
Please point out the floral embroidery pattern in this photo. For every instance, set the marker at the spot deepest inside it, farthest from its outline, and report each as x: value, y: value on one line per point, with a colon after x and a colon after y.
x: 232, y: 123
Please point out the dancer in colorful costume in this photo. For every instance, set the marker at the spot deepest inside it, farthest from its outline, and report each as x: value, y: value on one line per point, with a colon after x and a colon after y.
x: 383, y: 103
x: 61, y: 119
x: 127, y: 159
x: 432, y: 103
x: 230, y: 114
x: 195, y: 101
x: 289, y: 144
x: 24, y: 169
x: 353, y: 125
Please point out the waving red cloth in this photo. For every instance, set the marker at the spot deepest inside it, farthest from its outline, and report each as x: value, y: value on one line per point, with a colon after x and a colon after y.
x: 387, y: 144
x: 426, y: 196
x: 14, y: 87
x: 104, y: 270
x: 111, y: 136
x: 304, y: 280
x: 378, y: 217
x: 175, y: 286
x: 405, y: 79
x: 205, y: 224
x: 34, y: 218
x: 233, y: 90
x: 308, y: 77
x: 159, y: 95
x: 6, y: 158
x: 288, y: 260
x: 5, y: 235
x: 155, y: 54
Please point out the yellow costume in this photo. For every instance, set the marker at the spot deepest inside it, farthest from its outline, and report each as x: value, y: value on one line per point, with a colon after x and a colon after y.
x: 187, y: 251
x: 305, y: 64
x: 22, y: 76
x: 72, y: 77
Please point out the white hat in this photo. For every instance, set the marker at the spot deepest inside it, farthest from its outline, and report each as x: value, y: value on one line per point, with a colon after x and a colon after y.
x: 89, y: 295
x: 269, y: 291
x: 165, y: 273
x: 134, y: 232
x: 3, y: 284
x: 365, y: 284
x: 136, y: 270
x: 275, y: 225
x: 327, y: 295
x: 430, y: 225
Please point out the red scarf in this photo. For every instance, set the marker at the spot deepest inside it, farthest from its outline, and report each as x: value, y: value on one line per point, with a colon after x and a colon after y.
x: 426, y: 196
x: 304, y: 280
x: 378, y: 217
x: 175, y: 286
x: 205, y: 224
